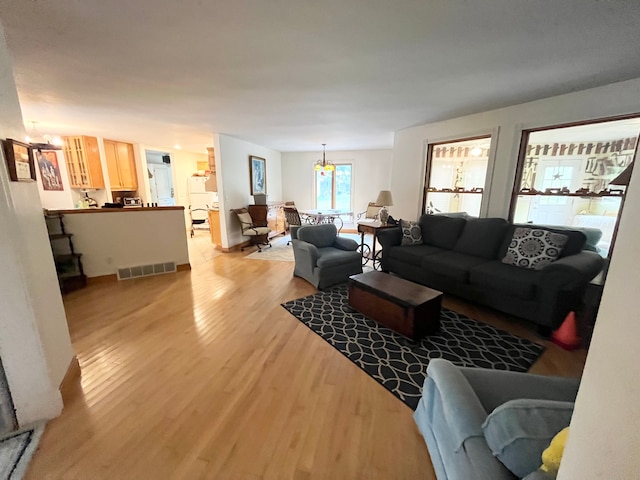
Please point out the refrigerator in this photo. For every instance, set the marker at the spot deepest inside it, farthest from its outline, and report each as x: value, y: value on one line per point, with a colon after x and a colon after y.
x: 200, y: 201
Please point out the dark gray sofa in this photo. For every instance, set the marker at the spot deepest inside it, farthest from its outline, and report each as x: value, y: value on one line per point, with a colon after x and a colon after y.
x: 463, y: 256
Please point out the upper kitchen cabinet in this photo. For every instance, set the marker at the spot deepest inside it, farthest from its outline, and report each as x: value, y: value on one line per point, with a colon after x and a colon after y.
x: 83, y: 162
x: 121, y: 165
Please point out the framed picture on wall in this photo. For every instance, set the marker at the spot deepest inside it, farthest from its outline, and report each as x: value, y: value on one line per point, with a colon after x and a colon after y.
x: 49, y: 169
x: 258, y: 175
x: 19, y: 161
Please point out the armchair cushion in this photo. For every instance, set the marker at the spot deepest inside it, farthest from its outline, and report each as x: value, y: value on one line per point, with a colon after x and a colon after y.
x: 319, y: 235
x: 519, y: 430
x: 245, y: 219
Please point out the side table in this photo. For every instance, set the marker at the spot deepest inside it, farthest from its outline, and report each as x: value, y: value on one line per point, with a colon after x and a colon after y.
x: 370, y: 254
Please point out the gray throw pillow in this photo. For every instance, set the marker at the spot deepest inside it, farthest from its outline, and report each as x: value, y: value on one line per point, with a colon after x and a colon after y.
x: 534, y: 247
x: 411, y: 233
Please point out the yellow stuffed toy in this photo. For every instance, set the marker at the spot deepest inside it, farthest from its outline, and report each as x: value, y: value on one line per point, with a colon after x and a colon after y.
x: 553, y: 454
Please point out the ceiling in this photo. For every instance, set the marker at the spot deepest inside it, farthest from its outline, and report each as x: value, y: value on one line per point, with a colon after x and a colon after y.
x: 293, y: 74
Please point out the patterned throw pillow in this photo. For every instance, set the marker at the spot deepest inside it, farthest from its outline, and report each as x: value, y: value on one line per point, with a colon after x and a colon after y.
x: 411, y: 233
x: 534, y: 247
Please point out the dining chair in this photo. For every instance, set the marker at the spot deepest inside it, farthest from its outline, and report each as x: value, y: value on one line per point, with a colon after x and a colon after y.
x: 372, y: 212
x: 294, y: 221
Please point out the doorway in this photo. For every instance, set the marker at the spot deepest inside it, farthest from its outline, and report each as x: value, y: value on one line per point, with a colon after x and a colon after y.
x: 160, y: 178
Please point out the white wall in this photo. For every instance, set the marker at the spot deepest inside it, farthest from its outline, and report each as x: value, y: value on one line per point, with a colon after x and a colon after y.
x: 232, y: 171
x: 604, y: 438
x: 127, y: 238
x: 34, y: 341
x: 371, y: 173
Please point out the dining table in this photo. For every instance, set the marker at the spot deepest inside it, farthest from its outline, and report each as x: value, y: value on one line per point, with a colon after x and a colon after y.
x: 318, y: 216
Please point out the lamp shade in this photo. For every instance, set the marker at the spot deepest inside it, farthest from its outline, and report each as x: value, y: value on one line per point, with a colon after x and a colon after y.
x: 384, y: 198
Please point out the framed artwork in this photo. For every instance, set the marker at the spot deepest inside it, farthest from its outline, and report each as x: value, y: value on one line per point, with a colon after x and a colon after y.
x: 19, y: 161
x: 49, y: 169
x: 258, y: 175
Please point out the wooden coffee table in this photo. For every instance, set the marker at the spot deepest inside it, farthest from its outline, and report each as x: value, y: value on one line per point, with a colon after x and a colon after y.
x: 408, y: 308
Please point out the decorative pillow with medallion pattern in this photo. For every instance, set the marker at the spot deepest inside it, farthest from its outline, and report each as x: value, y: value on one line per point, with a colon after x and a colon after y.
x: 534, y: 247
x: 411, y: 233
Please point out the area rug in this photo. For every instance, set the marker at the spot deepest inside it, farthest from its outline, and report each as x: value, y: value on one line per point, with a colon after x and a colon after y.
x: 279, y: 251
x: 16, y: 451
x: 394, y: 361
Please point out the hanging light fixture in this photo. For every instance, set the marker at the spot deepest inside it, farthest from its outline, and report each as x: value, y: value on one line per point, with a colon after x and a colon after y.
x: 323, y: 165
x: 40, y: 141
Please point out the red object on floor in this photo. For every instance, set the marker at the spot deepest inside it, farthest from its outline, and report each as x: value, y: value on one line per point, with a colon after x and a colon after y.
x: 567, y: 335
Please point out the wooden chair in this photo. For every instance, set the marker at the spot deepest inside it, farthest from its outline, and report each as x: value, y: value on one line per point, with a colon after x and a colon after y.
x: 294, y: 221
x: 257, y: 235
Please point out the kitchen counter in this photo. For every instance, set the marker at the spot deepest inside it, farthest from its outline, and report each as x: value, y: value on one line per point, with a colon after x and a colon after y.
x: 119, y: 239
x: 112, y: 210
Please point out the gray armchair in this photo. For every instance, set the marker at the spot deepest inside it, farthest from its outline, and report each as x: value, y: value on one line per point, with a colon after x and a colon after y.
x: 323, y: 258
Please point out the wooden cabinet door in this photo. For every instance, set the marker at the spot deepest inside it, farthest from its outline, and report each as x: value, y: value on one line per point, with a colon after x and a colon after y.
x: 111, y: 153
x: 83, y: 162
x: 93, y: 162
x: 127, y: 166
x: 214, y: 227
x: 121, y: 165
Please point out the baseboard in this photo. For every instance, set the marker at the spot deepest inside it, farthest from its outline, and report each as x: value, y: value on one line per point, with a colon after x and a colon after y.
x: 102, y: 279
x: 114, y: 278
x: 70, y: 379
x: 236, y: 248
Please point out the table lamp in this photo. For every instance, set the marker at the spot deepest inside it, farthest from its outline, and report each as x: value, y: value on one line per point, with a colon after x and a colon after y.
x: 384, y: 199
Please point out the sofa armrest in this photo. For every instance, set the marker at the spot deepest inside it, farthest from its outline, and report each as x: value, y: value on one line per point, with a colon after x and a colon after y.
x: 583, y: 266
x: 463, y: 410
x: 389, y: 237
x: 495, y: 387
x: 305, y: 253
x: 345, y: 244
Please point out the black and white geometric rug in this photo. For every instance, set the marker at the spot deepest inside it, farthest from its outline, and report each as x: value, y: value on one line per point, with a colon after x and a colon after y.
x: 394, y: 361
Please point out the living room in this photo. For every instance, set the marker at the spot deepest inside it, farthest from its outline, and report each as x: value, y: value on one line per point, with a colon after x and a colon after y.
x: 603, y: 422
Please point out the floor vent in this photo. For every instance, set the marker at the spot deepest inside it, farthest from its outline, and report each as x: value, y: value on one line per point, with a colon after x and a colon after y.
x: 145, y: 270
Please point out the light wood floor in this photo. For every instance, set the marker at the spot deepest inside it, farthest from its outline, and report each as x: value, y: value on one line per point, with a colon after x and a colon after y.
x: 203, y: 374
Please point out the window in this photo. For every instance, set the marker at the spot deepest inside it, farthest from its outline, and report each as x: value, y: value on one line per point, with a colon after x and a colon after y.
x: 455, y: 177
x: 569, y: 176
x: 333, y: 188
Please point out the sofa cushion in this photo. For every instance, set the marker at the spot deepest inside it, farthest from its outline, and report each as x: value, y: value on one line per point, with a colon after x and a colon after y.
x: 412, y: 254
x: 482, y: 237
x: 451, y: 265
x: 510, y: 280
x: 518, y: 431
x: 534, y: 247
x: 331, y: 257
x: 441, y: 231
x: 411, y: 233
x: 575, y: 242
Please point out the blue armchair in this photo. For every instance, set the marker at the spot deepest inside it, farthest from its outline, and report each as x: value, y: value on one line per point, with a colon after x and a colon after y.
x: 323, y: 258
x: 456, y: 403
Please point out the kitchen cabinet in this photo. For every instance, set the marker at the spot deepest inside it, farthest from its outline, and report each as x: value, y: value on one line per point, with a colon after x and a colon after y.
x: 83, y: 162
x: 212, y: 182
x: 121, y: 166
x: 214, y: 228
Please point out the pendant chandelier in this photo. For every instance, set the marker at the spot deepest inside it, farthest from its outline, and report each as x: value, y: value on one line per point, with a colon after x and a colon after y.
x: 324, y: 165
